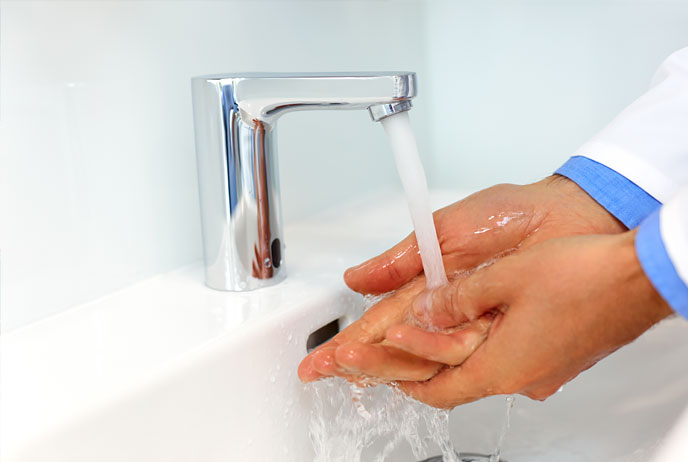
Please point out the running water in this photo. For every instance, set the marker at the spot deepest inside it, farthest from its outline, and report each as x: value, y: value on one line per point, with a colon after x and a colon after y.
x: 352, y: 424
x: 496, y: 456
x: 403, y: 142
x: 349, y: 423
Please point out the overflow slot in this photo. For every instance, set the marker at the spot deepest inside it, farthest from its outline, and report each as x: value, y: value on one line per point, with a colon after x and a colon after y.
x: 322, y: 335
x: 467, y: 457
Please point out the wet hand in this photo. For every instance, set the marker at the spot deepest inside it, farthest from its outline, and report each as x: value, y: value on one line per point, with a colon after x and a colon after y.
x: 486, y: 225
x: 471, y: 232
x: 361, y: 354
x: 560, y: 307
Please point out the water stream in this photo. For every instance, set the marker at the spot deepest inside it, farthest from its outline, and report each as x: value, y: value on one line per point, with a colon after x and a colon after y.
x: 351, y: 424
x: 497, y: 454
x: 403, y: 142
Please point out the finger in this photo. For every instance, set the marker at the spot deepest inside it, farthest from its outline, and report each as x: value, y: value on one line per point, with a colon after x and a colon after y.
x: 448, y: 348
x: 452, y: 386
x: 444, y: 391
x: 370, y: 328
x: 465, y: 299
x: 483, y: 374
x: 306, y: 371
x: 321, y: 364
x: 388, y: 271
x: 384, y: 362
x: 373, y: 325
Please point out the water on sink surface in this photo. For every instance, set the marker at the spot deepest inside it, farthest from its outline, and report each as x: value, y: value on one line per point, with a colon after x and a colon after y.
x: 348, y: 423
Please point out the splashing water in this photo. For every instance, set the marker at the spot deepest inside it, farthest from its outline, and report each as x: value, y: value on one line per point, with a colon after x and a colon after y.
x: 351, y: 424
x: 348, y: 422
x: 403, y: 142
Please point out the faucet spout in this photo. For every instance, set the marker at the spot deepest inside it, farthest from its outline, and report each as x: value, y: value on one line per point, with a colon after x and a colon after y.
x: 235, y: 120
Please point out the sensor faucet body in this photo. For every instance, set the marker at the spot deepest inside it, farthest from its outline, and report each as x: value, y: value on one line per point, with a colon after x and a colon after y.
x: 235, y: 120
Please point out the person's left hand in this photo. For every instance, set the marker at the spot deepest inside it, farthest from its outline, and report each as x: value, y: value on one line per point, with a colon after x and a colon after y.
x: 360, y: 352
x: 561, y: 306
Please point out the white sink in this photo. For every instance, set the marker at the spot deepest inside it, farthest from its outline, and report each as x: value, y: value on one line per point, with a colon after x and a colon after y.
x: 169, y: 370
x: 620, y: 410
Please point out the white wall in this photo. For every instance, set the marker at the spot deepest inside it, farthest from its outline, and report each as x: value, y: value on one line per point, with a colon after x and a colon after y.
x: 97, y: 163
x: 517, y: 85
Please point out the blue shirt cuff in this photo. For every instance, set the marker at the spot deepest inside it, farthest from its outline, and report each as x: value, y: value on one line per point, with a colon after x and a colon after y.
x: 658, y: 266
x: 628, y: 202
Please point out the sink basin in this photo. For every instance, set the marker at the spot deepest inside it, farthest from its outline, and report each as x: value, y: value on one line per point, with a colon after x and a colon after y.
x: 170, y: 370
x: 619, y: 410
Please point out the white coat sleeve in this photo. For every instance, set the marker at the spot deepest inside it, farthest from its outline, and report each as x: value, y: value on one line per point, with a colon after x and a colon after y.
x: 648, y: 142
x: 637, y: 168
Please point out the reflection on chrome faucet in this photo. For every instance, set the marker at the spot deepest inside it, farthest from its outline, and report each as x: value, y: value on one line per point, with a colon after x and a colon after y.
x: 235, y: 119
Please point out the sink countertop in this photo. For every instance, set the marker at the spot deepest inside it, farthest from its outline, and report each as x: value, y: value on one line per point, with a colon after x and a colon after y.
x: 168, y: 369
x: 62, y: 367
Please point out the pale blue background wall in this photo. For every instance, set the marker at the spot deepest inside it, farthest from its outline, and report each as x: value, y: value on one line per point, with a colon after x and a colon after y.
x: 97, y: 169
x: 517, y: 85
x: 97, y: 163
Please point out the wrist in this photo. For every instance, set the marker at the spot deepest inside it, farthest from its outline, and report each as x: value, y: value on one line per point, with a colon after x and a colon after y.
x: 624, y: 199
x: 652, y: 305
x: 563, y: 192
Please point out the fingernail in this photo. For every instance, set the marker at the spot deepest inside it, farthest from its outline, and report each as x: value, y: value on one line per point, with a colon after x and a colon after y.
x: 306, y: 372
x: 346, y: 357
x: 323, y: 362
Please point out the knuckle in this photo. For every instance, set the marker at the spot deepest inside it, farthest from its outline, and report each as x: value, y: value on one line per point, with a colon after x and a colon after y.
x: 464, y: 297
x: 392, y: 270
x: 366, y: 330
x: 453, y: 300
x: 442, y: 306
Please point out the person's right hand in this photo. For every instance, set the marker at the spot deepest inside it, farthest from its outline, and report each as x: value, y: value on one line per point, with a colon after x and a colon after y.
x: 559, y: 307
x: 486, y: 225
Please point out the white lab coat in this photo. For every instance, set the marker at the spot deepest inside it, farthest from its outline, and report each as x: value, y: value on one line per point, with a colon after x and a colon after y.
x: 648, y: 144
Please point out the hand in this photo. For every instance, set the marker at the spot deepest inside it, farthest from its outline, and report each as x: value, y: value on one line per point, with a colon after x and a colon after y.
x: 360, y: 351
x: 471, y: 232
x: 487, y: 224
x: 561, y: 306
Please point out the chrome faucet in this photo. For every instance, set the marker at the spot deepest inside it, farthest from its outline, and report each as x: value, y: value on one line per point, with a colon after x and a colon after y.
x: 235, y: 120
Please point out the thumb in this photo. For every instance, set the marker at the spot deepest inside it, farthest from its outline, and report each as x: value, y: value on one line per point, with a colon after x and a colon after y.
x: 388, y: 271
x: 461, y: 300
